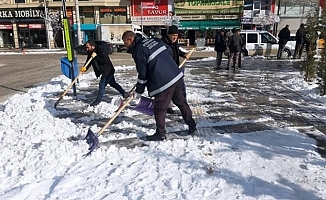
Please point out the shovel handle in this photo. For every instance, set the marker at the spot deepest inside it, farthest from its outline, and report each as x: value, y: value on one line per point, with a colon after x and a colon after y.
x: 74, y: 81
x: 184, y: 61
x: 115, y: 115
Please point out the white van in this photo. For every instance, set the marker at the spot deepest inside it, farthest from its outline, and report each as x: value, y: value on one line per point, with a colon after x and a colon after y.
x: 263, y: 43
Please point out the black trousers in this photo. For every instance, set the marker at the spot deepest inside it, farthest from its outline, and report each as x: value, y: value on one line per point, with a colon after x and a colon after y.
x: 298, y: 50
x: 161, y: 102
x: 280, y: 50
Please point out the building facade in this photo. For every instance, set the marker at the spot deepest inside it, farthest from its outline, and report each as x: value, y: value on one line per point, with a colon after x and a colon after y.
x: 292, y: 12
x: 201, y: 18
x: 22, y: 22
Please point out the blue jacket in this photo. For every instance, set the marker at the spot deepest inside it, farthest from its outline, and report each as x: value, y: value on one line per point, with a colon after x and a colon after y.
x: 156, y: 68
x: 220, y: 45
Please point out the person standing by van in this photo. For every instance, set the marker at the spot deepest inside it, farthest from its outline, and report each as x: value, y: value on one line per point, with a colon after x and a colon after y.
x: 220, y: 47
x: 235, y: 45
x: 299, y: 42
x: 284, y: 36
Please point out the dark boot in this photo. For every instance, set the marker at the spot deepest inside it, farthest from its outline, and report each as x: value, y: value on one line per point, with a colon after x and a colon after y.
x: 192, y: 130
x: 96, y: 102
x: 156, y: 137
x: 170, y: 111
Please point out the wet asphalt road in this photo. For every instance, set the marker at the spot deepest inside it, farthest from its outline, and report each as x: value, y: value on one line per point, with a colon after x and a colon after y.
x: 23, y: 71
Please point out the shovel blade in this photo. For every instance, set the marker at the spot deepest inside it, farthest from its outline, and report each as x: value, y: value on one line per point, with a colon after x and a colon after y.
x: 145, y: 106
x: 92, y: 140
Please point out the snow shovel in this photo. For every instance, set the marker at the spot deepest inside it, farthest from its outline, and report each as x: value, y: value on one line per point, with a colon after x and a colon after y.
x: 92, y: 138
x: 73, y: 82
x: 146, y: 105
x: 184, y: 61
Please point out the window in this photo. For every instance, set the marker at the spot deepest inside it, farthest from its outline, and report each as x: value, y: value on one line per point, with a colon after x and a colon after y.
x: 252, y: 38
x: 113, y: 15
x: 267, y: 38
x: 257, y: 5
x: 19, y: 1
x: 265, y: 4
x: 248, y: 5
x: 86, y: 15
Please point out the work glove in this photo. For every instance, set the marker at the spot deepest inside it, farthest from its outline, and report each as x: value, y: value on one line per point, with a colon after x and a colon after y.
x: 136, y: 98
x: 83, y: 69
x: 93, y: 55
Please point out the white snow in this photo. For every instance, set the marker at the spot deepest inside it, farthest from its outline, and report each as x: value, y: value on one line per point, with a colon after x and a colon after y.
x: 39, y: 162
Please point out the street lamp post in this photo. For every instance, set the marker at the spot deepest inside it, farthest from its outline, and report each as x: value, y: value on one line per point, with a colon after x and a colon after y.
x: 141, y: 16
x: 146, y: 5
x: 47, y: 25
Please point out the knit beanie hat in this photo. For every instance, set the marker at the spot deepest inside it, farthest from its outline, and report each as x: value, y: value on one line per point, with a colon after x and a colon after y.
x: 173, y: 30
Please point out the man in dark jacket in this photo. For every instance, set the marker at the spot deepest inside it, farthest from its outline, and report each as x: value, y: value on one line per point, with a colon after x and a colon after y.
x: 160, y: 74
x: 284, y: 36
x: 299, y: 41
x: 102, y: 65
x: 171, y: 41
x: 235, y: 46
x: 220, y: 47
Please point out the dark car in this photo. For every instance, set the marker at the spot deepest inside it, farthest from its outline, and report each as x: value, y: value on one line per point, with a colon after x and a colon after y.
x: 81, y: 49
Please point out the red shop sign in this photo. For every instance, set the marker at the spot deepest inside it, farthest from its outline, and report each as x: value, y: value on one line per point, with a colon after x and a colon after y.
x: 22, y: 25
x: 5, y: 26
x: 160, y: 8
x: 35, y: 26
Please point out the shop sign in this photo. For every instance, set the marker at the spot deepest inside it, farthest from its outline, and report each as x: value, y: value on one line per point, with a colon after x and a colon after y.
x: 150, y: 18
x: 5, y: 26
x: 22, y: 25
x: 28, y: 13
x: 113, y: 9
x: 225, y: 16
x: 193, y: 17
x: 35, y: 26
x: 245, y: 20
x: 208, y: 7
x: 160, y: 8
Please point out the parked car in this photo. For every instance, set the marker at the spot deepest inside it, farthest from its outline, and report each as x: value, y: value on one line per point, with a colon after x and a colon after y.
x: 291, y: 40
x: 81, y: 49
x: 263, y: 43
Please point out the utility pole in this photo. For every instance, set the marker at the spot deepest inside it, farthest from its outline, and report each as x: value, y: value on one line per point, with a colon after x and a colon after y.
x: 79, y: 38
x: 47, y: 24
x: 141, y: 16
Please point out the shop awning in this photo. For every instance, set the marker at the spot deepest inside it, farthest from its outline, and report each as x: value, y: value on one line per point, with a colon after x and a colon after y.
x: 86, y: 27
x: 206, y: 25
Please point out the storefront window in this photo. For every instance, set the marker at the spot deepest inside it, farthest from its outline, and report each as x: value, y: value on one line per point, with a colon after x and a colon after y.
x: 86, y: 15
x: 19, y: 1
x: 31, y: 35
x: 113, y: 15
x: 6, y: 36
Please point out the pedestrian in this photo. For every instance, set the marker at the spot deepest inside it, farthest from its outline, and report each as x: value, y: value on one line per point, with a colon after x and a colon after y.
x: 220, y: 47
x: 299, y: 42
x: 243, y: 42
x: 235, y: 46
x: 160, y: 74
x: 103, y: 67
x: 283, y: 36
x: 171, y: 41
